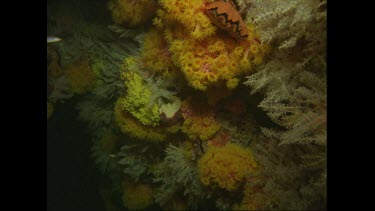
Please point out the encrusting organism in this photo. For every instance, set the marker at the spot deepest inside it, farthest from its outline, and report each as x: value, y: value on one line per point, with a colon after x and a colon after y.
x: 225, y: 16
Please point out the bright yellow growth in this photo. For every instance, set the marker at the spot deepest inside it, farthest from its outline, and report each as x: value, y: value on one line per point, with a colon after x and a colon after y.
x: 137, y: 100
x: 80, y: 76
x: 131, y: 13
x: 189, y: 14
x: 49, y: 109
x: 136, y: 196
x: 131, y: 126
x: 226, y: 166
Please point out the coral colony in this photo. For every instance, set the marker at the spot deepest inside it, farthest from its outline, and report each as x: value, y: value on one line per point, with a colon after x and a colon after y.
x: 198, y: 104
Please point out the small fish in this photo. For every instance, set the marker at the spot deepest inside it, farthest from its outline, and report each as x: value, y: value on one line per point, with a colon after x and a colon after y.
x: 52, y: 39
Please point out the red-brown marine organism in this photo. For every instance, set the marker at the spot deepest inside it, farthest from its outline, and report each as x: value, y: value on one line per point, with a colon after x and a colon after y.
x: 220, y: 139
x: 225, y: 16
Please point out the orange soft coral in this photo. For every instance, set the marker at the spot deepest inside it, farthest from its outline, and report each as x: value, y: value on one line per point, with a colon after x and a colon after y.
x: 226, y: 166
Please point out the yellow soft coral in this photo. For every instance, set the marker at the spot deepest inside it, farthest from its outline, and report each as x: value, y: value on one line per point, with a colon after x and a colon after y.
x: 136, y: 196
x: 131, y: 13
x: 80, y: 76
x: 189, y: 14
x: 226, y: 166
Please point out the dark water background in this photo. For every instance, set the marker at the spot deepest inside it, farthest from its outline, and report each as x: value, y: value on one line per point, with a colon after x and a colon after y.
x: 72, y: 179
